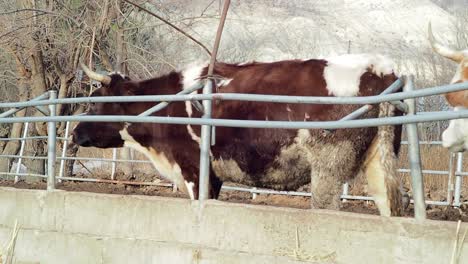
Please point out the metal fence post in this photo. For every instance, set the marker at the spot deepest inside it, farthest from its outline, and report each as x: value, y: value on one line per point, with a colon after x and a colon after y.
x: 114, y: 163
x: 417, y: 180
x: 205, y: 146
x: 458, y: 179
x: 51, y: 144
x: 345, y: 191
x: 206, y: 139
x: 64, y: 151
x: 23, y: 143
x: 451, y: 176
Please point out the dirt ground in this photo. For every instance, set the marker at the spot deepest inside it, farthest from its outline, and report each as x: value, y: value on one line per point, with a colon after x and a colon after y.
x: 364, y: 207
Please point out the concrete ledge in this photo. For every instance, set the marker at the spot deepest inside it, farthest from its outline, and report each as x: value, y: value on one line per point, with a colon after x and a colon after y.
x: 79, y: 227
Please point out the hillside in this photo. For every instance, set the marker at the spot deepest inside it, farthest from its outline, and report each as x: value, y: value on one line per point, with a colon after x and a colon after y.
x: 277, y: 29
x: 269, y: 30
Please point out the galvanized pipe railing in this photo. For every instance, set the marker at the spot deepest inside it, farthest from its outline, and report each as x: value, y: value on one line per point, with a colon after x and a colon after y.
x: 370, y: 122
x: 23, y: 144
x: 51, y: 144
x: 254, y: 191
x: 417, y: 181
x: 458, y: 180
x: 205, y: 144
x: 451, y: 176
x: 437, y: 90
x: 434, y: 116
x: 64, y: 151
x: 162, y: 105
x: 17, y: 109
x: 366, y: 108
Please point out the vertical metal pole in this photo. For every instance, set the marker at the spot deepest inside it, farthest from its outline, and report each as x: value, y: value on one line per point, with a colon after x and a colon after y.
x: 205, y: 146
x: 417, y: 180
x: 114, y: 163
x: 51, y: 143
x: 451, y: 175
x: 23, y: 143
x: 64, y: 151
x: 254, y: 194
x: 345, y: 190
x: 458, y: 179
x: 204, y: 180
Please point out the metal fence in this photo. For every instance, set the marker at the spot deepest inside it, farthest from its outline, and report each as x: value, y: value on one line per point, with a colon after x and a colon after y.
x: 453, y: 198
x: 208, y: 125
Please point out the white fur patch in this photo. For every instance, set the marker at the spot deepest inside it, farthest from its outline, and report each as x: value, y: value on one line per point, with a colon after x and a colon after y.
x: 189, y: 186
x: 117, y: 73
x: 343, y: 73
x: 168, y: 170
x: 455, y: 137
x: 193, y: 135
x: 224, y: 82
x: 188, y: 108
x: 245, y: 63
x: 191, y: 77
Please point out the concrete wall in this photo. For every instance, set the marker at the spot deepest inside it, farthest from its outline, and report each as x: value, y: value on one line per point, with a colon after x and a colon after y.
x: 70, y: 227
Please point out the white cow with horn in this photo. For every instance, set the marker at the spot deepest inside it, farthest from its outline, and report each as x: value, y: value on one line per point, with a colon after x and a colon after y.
x: 455, y: 137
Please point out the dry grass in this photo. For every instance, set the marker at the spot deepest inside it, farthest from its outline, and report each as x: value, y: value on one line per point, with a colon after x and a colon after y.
x: 433, y: 157
x: 8, y: 251
x: 458, y: 245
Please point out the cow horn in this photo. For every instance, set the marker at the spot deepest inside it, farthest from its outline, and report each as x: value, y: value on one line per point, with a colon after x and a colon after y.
x: 95, y: 76
x: 442, y: 50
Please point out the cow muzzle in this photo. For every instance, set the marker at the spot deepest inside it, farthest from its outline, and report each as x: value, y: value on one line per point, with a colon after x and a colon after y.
x: 81, y: 139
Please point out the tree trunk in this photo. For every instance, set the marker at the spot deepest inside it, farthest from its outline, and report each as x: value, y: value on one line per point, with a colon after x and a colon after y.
x: 62, y: 93
x: 72, y: 149
x: 38, y: 87
x: 12, y: 147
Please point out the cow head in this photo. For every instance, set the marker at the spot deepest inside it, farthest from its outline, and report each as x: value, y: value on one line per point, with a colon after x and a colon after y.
x: 455, y: 137
x: 103, y: 134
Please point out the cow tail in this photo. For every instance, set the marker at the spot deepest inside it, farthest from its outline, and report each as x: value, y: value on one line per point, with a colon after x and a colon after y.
x: 380, y: 166
x: 389, y: 138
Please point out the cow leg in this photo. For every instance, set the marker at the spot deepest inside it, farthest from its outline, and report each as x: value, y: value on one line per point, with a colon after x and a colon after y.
x: 215, y: 185
x: 326, y: 189
x: 190, y: 174
x: 331, y: 164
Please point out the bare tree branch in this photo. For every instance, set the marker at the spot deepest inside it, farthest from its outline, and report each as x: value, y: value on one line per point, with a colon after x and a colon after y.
x: 171, y: 25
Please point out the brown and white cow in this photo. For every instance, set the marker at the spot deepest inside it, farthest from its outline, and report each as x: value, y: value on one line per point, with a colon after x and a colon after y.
x: 281, y: 159
x: 455, y: 137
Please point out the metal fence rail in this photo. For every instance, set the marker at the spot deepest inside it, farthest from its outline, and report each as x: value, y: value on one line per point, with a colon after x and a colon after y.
x: 407, y: 95
x: 252, y: 190
x: 436, y: 90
